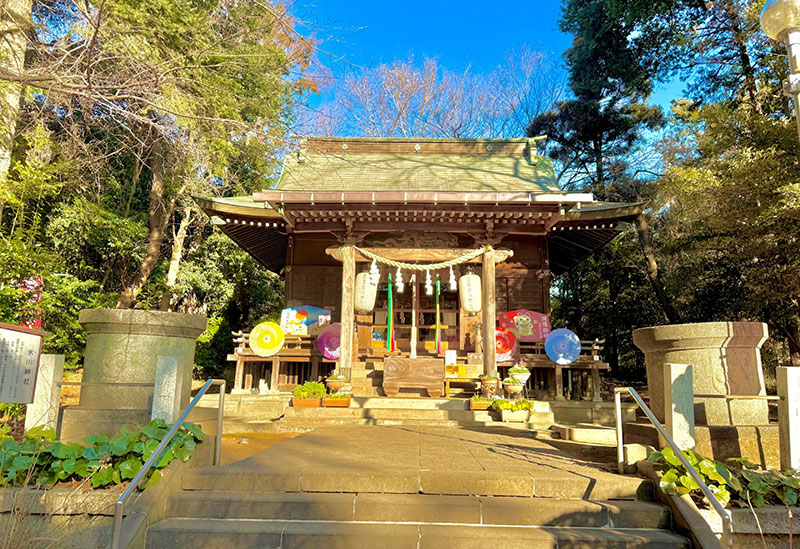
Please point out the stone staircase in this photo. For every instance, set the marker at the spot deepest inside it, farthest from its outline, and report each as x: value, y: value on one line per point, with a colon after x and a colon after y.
x: 245, y: 507
x: 407, y: 411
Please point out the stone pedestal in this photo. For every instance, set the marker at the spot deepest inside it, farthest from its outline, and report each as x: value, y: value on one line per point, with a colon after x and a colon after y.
x: 726, y: 360
x: 126, y: 350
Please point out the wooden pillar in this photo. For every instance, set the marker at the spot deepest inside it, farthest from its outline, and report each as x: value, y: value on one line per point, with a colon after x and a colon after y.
x: 488, y: 310
x: 348, y: 290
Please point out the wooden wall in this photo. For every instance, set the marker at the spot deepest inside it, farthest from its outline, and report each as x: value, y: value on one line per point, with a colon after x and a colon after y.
x: 314, y: 278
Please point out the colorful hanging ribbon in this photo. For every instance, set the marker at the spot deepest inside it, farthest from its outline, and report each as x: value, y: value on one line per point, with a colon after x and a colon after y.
x: 390, y: 342
x: 438, y: 323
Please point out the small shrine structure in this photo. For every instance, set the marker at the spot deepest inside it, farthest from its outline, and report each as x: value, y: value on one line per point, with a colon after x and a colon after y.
x: 430, y: 211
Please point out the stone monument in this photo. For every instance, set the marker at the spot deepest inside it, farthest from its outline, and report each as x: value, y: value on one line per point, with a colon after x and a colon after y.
x: 726, y: 360
x: 126, y: 350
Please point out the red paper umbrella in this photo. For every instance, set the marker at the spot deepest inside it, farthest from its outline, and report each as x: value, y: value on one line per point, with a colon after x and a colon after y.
x: 505, y: 345
x: 329, y: 341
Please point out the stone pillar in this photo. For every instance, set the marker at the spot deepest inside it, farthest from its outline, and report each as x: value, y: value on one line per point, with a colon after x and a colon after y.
x: 168, y: 385
x: 679, y: 403
x: 789, y: 416
x: 348, y: 302
x: 726, y: 360
x: 489, y: 314
x: 44, y: 408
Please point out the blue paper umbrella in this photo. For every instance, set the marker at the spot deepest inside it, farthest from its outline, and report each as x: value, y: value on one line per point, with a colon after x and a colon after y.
x: 562, y: 346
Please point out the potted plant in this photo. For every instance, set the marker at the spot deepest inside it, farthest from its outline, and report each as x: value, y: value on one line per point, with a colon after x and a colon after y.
x: 337, y: 400
x: 479, y: 402
x: 308, y: 395
x: 517, y: 411
x: 520, y: 372
x: 335, y: 382
x: 489, y: 385
x: 512, y: 386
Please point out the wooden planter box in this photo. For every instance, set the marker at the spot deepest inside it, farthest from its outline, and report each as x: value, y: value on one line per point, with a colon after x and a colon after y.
x: 479, y: 405
x: 306, y: 402
x: 337, y: 402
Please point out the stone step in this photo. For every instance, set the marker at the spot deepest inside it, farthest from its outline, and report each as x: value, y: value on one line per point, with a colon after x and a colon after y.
x: 388, y: 413
x: 585, y: 432
x: 418, y: 508
x: 537, y: 421
x: 547, y: 484
x: 202, y: 533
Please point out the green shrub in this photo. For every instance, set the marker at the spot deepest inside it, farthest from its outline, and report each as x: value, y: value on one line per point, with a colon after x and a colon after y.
x: 39, y: 459
x: 338, y: 395
x: 310, y: 389
x: 738, y: 482
x: 479, y: 398
x: 512, y: 405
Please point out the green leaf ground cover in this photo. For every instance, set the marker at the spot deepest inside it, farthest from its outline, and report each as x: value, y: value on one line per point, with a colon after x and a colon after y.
x: 104, y: 461
x: 737, y: 482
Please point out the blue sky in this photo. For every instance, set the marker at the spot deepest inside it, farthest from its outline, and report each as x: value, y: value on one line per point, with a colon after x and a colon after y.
x: 459, y: 34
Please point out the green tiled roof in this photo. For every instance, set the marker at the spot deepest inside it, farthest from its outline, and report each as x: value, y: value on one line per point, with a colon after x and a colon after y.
x: 397, y: 165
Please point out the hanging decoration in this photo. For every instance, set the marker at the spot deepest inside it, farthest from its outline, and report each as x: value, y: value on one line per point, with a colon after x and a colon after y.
x: 469, y: 293
x: 438, y: 317
x: 453, y: 285
x: 428, y: 283
x: 365, y: 292
x: 399, y: 281
x: 390, y: 343
x: 374, y: 273
x: 469, y: 256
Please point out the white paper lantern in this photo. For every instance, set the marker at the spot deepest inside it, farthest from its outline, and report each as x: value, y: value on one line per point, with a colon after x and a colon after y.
x: 469, y: 291
x: 365, y: 292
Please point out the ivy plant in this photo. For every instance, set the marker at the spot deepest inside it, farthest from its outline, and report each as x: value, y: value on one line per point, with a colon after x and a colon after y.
x: 41, y: 459
x: 735, y: 483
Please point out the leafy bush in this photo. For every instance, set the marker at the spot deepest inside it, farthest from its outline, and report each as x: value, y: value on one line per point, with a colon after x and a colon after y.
x: 512, y: 405
x: 518, y: 368
x: 336, y: 377
x: 739, y: 483
x: 511, y: 381
x: 337, y: 395
x: 310, y: 389
x: 479, y: 398
x: 40, y: 459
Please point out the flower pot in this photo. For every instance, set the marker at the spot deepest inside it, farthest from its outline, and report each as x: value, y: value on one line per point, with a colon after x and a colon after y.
x: 337, y: 402
x: 489, y: 387
x: 521, y: 377
x: 479, y: 405
x: 335, y: 385
x: 513, y: 389
x: 518, y: 416
x: 306, y: 402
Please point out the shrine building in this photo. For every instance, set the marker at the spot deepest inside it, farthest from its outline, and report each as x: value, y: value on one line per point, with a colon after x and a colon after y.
x: 420, y: 209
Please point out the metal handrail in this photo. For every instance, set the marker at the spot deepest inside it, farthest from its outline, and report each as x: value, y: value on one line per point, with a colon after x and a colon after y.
x: 116, y: 533
x: 727, y: 527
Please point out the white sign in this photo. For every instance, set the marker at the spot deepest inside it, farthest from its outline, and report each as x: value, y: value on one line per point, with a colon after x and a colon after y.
x: 19, y: 363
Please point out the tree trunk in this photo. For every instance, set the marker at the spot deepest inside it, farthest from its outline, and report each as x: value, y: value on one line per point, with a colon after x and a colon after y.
x: 175, y: 260
x: 158, y: 215
x: 793, y: 333
x: 740, y: 43
x: 14, y: 19
x: 646, y: 242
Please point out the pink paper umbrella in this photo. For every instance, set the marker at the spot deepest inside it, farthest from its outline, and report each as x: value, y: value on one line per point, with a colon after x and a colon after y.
x: 329, y: 341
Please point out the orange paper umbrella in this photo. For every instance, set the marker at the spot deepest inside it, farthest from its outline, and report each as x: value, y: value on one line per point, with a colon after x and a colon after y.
x: 266, y: 339
x: 505, y: 345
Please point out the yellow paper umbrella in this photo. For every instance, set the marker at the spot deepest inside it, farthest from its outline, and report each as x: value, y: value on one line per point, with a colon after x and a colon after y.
x: 266, y: 339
